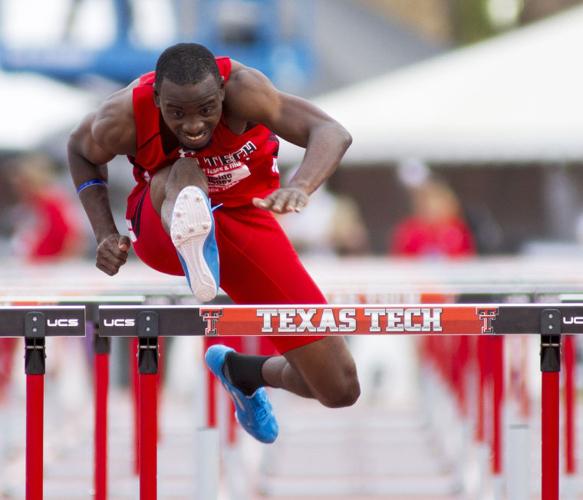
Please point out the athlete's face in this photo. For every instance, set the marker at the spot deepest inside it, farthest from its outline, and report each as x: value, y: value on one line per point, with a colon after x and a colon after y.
x: 191, y: 111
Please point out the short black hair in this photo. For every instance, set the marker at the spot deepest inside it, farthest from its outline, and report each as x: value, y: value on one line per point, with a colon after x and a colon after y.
x: 186, y: 63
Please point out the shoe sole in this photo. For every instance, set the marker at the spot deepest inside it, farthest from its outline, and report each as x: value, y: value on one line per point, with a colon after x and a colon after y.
x: 190, y: 226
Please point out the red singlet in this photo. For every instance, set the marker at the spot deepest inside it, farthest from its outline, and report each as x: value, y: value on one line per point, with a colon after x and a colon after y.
x: 238, y: 167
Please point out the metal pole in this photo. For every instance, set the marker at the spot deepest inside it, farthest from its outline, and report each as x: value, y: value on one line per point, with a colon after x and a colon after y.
x: 148, y: 378
x: 134, y: 385
x: 550, y: 368
x: 550, y: 436
x: 482, y: 380
x: 570, y: 408
x: 211, y: 392
x: 35, y: 370
x: 498, y: 401
x: 102, y: 348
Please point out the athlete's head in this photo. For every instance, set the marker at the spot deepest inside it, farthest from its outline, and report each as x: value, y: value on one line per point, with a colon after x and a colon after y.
x: 189, y: 91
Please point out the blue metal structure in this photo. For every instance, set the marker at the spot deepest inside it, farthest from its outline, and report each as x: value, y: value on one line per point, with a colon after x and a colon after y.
x: 255, y: 33
x: 247, y: 30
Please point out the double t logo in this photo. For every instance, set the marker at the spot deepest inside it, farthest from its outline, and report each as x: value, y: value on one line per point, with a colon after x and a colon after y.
x: 487, y: 315
x: 210, y: 317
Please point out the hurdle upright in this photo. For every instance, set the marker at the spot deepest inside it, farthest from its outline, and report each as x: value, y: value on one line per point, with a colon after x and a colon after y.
x: 35, y: 323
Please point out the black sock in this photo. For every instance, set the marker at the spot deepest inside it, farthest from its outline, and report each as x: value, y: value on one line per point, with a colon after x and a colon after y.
x: 244, y: 371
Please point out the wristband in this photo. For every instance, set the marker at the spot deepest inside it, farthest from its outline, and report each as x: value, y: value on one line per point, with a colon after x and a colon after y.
x: 91, y: 182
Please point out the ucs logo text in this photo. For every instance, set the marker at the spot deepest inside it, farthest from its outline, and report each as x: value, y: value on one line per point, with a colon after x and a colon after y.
x: 63, y: 322
x: 119, y: 322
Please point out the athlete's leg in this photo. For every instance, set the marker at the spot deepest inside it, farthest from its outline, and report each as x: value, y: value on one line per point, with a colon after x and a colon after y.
x: 259, y: 266
x: 179, y: 195
x: 167, y: 183
x: 325, y: 368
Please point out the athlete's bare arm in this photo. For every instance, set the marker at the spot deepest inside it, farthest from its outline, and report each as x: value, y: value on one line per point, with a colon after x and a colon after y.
x: 251, y: 97
x: 101, y: 136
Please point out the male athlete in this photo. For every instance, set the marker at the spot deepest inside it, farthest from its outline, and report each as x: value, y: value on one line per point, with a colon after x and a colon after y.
x: 201, y: 134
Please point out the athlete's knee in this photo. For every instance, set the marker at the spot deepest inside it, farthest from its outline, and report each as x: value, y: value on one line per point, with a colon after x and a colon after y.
x: 345, y: 390
x: 186, y: 172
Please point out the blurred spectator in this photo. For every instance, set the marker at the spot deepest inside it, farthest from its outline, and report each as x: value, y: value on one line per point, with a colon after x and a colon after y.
x: 330, y: 224
x: 45, y: 223
x: 436, y: 227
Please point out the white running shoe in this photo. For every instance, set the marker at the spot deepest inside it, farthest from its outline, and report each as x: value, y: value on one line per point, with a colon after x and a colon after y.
x: 192, y: 231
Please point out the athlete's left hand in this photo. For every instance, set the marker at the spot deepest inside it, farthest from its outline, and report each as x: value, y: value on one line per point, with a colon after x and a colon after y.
x: 287, y: 199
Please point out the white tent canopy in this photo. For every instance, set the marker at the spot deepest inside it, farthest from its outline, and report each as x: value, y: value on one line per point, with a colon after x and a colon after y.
x: 35, y: 108
x: 514, y: 98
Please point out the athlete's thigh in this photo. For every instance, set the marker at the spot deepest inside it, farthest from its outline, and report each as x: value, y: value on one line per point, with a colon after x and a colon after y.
x: 158, y: 188
x: 258, y: 263
x: 259, y: 266
x: 150, y: 241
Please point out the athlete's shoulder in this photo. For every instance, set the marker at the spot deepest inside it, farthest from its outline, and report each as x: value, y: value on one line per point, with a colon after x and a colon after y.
x: 113, y: 125
x: 119, y: 105
x: 245, y: 78
x: 250, y: 94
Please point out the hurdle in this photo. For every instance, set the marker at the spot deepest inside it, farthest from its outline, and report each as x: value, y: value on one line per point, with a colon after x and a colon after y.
x: 101, y: 351
x: 35, y: 324
x: 382, y: 287
x: 549, y: 321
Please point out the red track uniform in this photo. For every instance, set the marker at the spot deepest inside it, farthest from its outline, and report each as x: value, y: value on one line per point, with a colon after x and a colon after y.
x: 258, y: 265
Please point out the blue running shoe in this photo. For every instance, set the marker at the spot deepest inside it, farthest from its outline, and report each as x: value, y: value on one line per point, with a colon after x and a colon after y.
x: 254, y: 413
x: 193, y: 233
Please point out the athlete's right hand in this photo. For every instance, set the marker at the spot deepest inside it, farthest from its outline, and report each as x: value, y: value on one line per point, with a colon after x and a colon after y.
x: 112, y: 253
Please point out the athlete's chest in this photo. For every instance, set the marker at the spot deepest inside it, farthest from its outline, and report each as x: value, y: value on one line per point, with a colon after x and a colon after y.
x: 230, y: 158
